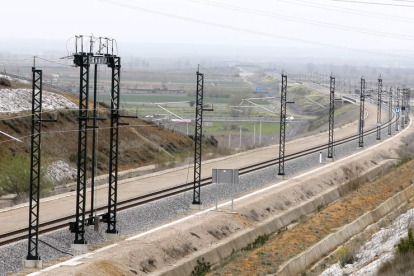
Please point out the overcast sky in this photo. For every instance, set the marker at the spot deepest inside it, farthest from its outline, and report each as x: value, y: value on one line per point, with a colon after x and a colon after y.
x: 56, y: 21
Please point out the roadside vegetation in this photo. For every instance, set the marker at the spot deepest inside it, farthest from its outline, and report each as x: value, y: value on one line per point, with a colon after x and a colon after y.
x: 15, y: 176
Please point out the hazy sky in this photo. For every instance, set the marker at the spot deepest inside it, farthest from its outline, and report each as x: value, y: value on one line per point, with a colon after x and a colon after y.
x: 57, y: 21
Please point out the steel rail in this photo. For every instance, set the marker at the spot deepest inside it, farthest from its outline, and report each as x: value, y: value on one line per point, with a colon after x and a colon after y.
x: 178, y: 189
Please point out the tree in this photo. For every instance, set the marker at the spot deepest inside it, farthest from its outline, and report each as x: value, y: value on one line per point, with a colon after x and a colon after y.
x: 15, y: 175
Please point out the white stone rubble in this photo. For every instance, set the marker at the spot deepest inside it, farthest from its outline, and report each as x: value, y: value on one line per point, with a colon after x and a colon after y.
x: 59, y: 171
x: 377, y: 251
x: 17, y: 100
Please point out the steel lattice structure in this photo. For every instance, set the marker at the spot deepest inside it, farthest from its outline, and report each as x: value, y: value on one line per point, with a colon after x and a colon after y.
x: 282, y: 126
x: 115, y: 64
x: 35, y: 166
x: 403, y: 104
x: 389, y: 110
x: 361, y: 114
x: 407, y: 105
x: 198, y: 138
x: 82, y: 61
x: 331, y: 117
x: 397, y: 106
x: 379, y: 108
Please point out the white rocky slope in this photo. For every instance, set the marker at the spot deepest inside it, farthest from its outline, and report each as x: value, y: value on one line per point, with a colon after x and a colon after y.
x: 17, y: 100
x: 59, y: 171
x: 378, y: 250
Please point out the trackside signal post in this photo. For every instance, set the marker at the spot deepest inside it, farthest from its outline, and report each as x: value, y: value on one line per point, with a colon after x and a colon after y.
x: 198, y: 133
x: 33, y: 258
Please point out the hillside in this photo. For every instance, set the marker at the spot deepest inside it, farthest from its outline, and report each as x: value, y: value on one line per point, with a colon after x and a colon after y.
x: 140, y: 143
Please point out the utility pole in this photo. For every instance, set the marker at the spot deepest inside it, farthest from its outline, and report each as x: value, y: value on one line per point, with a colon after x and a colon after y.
x: 331, y: 116
x: 379, y: 108
x: 197, y: 140
x: 397, y: 116
x: 230, y: 140
x: 390, y: 110
x: 33, y: 258
x: 361, y: 113
x: 282, y: 126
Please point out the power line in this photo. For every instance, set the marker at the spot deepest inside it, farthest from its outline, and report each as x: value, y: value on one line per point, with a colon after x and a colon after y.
x: 230, y: 27
x: 375, y: 3
x: 350, y: 11
x: 300, y: 20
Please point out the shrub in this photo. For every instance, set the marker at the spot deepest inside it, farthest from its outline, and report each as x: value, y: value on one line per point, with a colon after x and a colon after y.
x: 5, y: 82
x: 346, y: 256
x: 406, y: 245
x: 15, y: 175
x: 201, y: 269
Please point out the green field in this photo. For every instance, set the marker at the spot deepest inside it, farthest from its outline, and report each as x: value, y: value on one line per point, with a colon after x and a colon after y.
x: 247, y: 127
x: 161, y: 99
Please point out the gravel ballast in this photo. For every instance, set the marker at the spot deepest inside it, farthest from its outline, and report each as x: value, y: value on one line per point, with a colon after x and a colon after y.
x: 152, y: 214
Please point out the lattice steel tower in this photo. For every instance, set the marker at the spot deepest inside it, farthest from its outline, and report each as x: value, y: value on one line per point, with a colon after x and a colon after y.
x: 198, y: 133
x: 379, y: 108
x: 282, y: 126
x: 35, y: 164
x: 331, y: 117
x: 361, y: 114
x: 389, y: 110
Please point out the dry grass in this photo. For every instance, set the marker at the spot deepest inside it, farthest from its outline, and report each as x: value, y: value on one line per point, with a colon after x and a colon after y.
x: 292, y: 242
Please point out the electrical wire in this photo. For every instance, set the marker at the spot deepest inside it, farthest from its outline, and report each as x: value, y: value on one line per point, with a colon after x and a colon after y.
x: 51, y: 246
x: 374, y: 3
x: 48, y: 60
x: 77, y: 130
x: 306, y: 21
x: 15, y: 62
x: 350, y: 11
x: 251, y: 31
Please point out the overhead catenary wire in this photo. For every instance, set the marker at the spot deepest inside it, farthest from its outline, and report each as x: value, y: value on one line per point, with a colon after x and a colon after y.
x: 261, y: 33
x: 375, y: 3
x: 77, y: 130
x: 301, y: 20
x: 364, y: 13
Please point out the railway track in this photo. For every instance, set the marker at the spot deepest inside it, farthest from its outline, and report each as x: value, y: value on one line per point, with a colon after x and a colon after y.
x: 45, y: 227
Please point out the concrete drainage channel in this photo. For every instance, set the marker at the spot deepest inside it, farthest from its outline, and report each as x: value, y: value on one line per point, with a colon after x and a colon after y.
x: 328, y: 244
x: 299, y: 264
x: 150, y: 215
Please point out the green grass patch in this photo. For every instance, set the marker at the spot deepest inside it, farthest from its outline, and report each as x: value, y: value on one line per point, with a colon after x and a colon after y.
x: 247, y: 127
